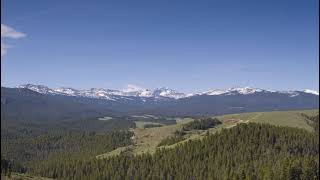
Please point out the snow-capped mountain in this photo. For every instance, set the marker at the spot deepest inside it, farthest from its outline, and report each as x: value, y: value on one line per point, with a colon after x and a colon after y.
x: 110, y: 94
x: 38, y: 88
x: 249, y: 90
x: 67, y: 91
x: 135, y: 91
x: 311, y: 92
x: 231, y: 91
x: 169, y: 93
x: 162, y: 101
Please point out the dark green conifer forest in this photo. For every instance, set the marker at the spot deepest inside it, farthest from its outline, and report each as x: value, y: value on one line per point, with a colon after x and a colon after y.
x: 247, y: 151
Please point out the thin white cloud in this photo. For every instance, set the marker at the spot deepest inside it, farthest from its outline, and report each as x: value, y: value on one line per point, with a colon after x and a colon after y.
x: 3, y: 49
x: 132, y: 88
x: 8, y: 32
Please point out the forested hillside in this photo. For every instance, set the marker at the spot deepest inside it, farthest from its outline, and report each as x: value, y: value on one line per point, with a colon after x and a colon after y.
x: 205, y: 148
x: 247, y: 151
x: 25, y: 153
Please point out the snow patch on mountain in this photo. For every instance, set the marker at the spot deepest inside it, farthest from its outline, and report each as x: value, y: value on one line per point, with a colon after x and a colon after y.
x: 230, y: 91
x: 245, y: 90
x: 290, y: 93
x: 67, y: 91
x: 38, y: 88
x: 215, y: 92
x: 133, y: 90
x: 169, y: 93
x: 311, y: 92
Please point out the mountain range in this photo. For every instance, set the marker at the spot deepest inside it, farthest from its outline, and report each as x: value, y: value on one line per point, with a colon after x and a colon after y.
x: 134, y: 91
x: 41, y: 103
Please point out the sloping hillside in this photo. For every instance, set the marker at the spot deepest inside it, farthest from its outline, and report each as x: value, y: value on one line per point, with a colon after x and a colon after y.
x: 146, y: 140
x: 247, y: 151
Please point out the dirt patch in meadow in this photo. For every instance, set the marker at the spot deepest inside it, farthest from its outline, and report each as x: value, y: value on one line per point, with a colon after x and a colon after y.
x: 231, y: 120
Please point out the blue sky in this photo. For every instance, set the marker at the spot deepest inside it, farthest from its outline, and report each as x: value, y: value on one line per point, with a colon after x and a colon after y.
x: 186, y: 45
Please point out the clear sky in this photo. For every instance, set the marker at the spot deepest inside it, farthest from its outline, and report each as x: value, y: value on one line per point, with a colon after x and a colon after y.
x: 186, y: 45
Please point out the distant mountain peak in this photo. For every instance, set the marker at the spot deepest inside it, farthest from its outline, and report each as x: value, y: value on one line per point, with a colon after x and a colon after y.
x: 245, y: 90
x: 133, y: 90
x: 169, y: 93
x: 37, y: 88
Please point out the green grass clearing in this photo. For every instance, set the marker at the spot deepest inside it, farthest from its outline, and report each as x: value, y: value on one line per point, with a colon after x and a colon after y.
x: 146, y: 140
x: 278, y: 118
